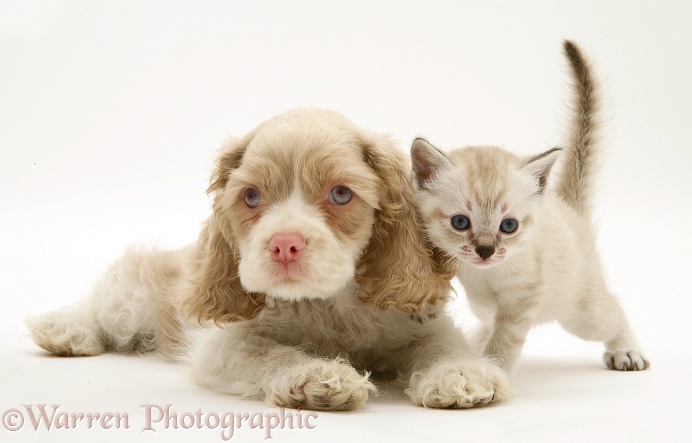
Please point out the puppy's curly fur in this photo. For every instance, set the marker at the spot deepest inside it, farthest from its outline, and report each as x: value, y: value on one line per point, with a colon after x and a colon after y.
x: 303, y: 323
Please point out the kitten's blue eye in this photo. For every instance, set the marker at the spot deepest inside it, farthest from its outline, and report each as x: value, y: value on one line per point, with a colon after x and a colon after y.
x: 509, y: 225
x: 252, y: 197
x: 340, y: 195
x: 460, y: 222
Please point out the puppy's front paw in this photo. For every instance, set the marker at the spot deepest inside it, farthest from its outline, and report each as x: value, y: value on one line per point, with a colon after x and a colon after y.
x: 66, y: 332
x: 322, y: 385
x: 621, y: 360
x: 461, y: 384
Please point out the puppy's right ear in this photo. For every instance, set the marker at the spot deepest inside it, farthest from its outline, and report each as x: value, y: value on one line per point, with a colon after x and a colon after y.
x: 216, y: 293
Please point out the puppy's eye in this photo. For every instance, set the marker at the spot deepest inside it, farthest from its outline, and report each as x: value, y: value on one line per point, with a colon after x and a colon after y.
x: 340, y: 195
x: 460, y: 222
x: 509, y: 225
x: 251, y: 197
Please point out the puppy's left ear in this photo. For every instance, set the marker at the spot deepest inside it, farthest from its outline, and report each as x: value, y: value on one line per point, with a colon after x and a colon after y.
x: 398, y: 269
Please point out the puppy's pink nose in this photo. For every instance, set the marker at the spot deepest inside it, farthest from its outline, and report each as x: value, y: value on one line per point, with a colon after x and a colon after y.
x: 286, y: 248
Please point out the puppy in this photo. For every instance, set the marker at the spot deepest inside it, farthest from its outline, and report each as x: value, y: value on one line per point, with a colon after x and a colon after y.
x: 309, y: 275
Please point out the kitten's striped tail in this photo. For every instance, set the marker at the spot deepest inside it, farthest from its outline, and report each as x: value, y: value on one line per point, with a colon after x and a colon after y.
x: 575, y: 183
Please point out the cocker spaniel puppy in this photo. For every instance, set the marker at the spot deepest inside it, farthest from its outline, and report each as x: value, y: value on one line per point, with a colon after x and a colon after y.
x: 310, y: 273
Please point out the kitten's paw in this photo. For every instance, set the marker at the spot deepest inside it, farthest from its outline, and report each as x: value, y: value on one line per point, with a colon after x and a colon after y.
x: 459, y: 385
x: 620, y: 360
x: 66, y: 332
x: 322, y: 385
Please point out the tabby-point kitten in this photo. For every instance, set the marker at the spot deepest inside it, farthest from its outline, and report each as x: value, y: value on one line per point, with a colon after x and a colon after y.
x: 526, y: 251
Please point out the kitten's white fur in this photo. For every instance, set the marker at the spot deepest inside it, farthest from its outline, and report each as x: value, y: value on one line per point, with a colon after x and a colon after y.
x: 548, y: 268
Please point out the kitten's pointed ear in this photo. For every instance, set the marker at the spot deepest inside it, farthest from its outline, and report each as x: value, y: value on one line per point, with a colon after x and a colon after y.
x: 540, y: 166
x: 427, y: 161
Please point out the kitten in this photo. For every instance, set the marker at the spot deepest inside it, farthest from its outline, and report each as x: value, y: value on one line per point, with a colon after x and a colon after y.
x: 525, y: 251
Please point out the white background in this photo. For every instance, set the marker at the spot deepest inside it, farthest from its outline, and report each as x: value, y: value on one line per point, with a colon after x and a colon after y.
x: 111, y: 114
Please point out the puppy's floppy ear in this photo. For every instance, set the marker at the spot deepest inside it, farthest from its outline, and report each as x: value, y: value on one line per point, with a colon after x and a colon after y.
x: 216, y: 292
x: 398, y: 269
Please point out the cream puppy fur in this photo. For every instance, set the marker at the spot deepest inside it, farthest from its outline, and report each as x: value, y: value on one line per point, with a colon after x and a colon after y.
x: 311, y: 273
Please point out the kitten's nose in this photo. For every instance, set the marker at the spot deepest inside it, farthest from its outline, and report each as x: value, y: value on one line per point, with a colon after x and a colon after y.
x: 485, y: 251
x: 286, y: 248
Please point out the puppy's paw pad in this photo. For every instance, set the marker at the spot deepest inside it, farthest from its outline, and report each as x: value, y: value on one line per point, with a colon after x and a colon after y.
x: 459, y: 385
x: 321, y: 385
x: 621, y: 360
